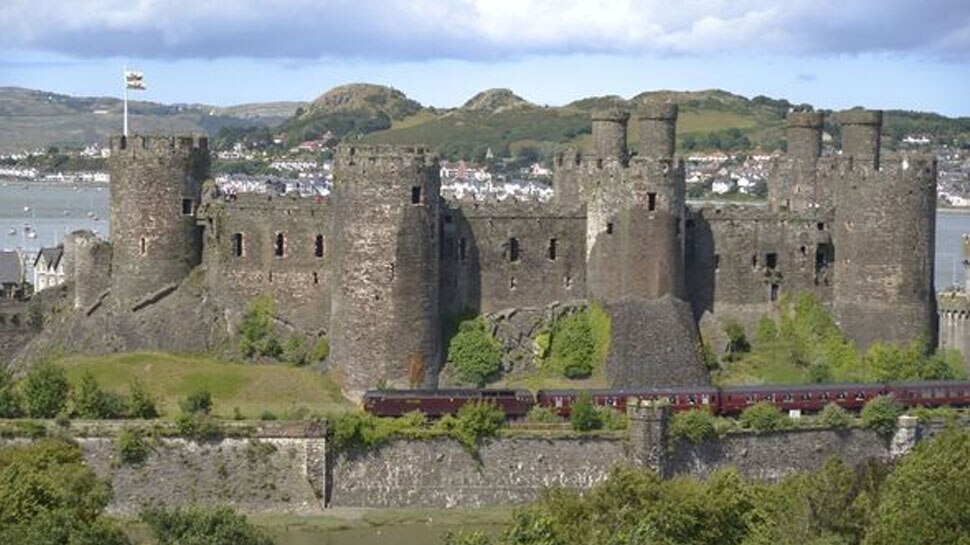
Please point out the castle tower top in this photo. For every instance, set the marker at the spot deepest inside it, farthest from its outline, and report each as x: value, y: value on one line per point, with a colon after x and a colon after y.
x: 861, y: 131
x: 658, y: 129
x: 609, y: 133
x: 381, y: 157
x: 136, y: 143
x: 805, y: 135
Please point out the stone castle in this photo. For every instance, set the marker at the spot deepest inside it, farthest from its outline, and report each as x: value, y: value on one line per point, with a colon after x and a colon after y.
x: 384, y: 261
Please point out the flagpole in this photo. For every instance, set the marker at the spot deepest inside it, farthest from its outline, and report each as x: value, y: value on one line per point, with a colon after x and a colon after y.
x: 124, y: 82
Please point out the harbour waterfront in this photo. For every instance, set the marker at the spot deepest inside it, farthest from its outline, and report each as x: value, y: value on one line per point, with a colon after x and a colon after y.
x: 39, y: 215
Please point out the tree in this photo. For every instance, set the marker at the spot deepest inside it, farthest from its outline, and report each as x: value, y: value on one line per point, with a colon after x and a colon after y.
x: 49, y: 497
x: 474, y: 352
x: 573, y: 347
x: 927, y: 498
x: 141, y: 404
x: 763, y: 416
x: 45, y: 391
x: 90, y: 401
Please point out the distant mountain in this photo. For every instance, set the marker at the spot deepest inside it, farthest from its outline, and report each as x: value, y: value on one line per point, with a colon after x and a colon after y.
x: 32, y: 119
x: 495, y: 119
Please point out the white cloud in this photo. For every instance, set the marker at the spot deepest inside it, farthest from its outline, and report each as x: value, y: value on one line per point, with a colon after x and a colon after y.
x: 476, y: 29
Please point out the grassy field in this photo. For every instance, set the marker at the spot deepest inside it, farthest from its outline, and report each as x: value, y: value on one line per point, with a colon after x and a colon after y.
x: 287, y: 392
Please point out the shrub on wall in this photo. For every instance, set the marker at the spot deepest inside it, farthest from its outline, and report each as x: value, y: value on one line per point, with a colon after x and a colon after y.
x: 474, y: 353
x: 141, y: 404
x: 46, y: 391
x: 833, y: 416
x: 257, y: 332
x: 321, y: 350
x: 11, y: 405
x: 696, y: 425
x: 197, y: 526
x: 583, y: 414
x: 880, y: 414
x: 764, y: 416
x: 131, y: 447
x: 573, y: 346
x: 90, y: 401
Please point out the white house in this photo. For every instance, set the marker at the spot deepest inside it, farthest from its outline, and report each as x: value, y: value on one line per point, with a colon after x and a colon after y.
x: 49, y: 268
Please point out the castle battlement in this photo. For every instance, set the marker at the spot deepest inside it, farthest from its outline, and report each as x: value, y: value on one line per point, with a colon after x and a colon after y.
x: 156, y: 144
x: 382, y: 156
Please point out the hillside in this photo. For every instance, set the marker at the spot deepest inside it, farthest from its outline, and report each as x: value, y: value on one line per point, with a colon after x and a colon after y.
x: 37, y: 119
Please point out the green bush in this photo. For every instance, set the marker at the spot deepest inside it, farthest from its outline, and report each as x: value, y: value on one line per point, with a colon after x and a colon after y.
x: 695, y: 426
x: 131, y: 447
x: 197, y: 402
x: 90, y: 401
x: 881, y: 413
x: 295, y: 351
x: 268, y: 415
x: 737, y: 341
x: 834, y: 416
x: 541, y: 347
x: 11, y: 405
x: 258, y: 334
x: 197, y: 426
x: 613, y: 419
x: 46, y: 391
x: 573, y: 347
x: 475, y: 353
x: 764, y: 416
x: 141, y: 404
x: 476, y: 421
x: 583, y: 414
x: 542, y: 415
x: 198, y: 526
x: 321, y: 350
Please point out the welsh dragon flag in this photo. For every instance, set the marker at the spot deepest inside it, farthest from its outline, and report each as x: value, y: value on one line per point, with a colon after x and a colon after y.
x: 134, y: 80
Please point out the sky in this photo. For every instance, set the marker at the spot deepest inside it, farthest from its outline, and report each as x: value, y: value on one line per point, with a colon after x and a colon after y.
x: 906, y: 54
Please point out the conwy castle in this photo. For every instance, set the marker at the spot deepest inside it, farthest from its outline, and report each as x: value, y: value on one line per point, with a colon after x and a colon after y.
x: 382, y: 263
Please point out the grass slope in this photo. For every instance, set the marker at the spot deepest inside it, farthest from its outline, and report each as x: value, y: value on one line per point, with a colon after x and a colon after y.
x: 287, y: 392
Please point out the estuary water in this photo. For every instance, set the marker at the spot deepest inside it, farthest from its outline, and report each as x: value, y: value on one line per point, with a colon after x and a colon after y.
x: 40, y: 215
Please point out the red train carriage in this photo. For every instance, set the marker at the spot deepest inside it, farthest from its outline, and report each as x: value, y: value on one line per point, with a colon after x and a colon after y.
x: 935, y: 393
x: 809, y: 399
x: 436, y: 403
x: 680, y: 399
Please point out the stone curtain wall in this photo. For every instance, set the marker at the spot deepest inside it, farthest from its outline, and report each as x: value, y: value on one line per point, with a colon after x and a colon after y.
x: 441, y: 473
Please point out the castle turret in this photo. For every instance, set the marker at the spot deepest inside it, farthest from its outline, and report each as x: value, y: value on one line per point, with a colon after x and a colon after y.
x: 861, y: 131
x: 609, y: 134
x: 90, y: 259
x: 385, y: 301
x: 884, y: 237
x: 155, y: 188
x: 658, y: 129
x: 805, y: 136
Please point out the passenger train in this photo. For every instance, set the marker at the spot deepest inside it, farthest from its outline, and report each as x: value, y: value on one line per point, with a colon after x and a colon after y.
x: 727, y: 401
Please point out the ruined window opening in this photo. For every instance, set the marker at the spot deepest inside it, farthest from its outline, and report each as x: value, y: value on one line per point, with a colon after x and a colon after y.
x: 316, y: 279
x: 609, y: 228
x: 280, y: 244
x: 754, y: 261
x: 187, y: 207
x: 568, y: 282
x: 820, y: 226
x: 511, y: 282
x: 461, y: 249
x: 513, y: 250
x: 237, y: 244
x: 717, y: 262
x: 651, y: 201
x: 447, y: 219
x: 143, y: 246
x: 269, y: 277
x: 774, y: 292
x: 771, y: 261
x: 552, y: 249
x: 318, y: 246
x: 802, y: 249
x: 689, y: 224
x: 392, y: 270
x: 415, y: 194
x: 824, y: 256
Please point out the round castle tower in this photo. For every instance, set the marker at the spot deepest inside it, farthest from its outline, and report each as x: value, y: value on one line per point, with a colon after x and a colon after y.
x: 884, y: 237
x: 634, y: 230
x: 155, y: 188
x: 384, y: 304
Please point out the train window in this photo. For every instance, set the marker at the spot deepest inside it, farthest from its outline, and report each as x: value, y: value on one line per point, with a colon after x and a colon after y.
x: 806, y: 397
x: 748, y: 399
x: 690, y: 399
x: 672, y: 400
x: 824, y: 396
x: 706, y: 399
x: 558, y: 402
x: 769, y: 397
x: 860, y: 396
x: 788, y: 398
x: 926, y: 393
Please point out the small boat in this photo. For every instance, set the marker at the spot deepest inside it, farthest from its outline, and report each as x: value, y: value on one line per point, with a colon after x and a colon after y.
x: 12, y: 232
x: 32, y: 234
x: 90, y: 214
x: 26, y: 209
